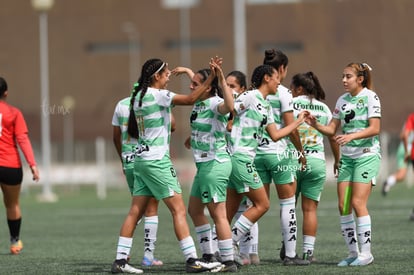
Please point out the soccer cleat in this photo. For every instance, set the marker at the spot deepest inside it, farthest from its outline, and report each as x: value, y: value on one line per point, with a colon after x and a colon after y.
x: 362, y: 260
x: 308, y: 256
x: 121, y: 266
x: 154, y: 262
x: 282, y: 253
x: 217, y: 256
x: 229, y: 266
x: 200, y: 265
x: 385, y: 188
x: 16, y: 248
x: 295, y: 261
x: 209, y: 258
x: 347, y: 261
x: 237, y: 257
x: 254, y: 258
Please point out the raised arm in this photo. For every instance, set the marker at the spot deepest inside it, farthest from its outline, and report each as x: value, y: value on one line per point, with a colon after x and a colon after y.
x: 190, y: 99
x: 228, y: 105
x: 183, y: 70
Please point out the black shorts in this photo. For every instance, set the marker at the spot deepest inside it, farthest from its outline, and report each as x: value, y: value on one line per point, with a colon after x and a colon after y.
x: 11, y: 176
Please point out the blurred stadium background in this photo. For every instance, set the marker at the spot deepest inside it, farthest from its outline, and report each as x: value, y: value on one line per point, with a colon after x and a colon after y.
x: 96, y: 49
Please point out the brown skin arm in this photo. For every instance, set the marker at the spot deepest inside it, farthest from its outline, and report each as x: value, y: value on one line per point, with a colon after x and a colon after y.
x: 116, y: 138
x: 190, y: 99
x: 372, y: 130
x: 276, y: 134
x: 336, y: 153
x: 172, y: 123
x: 327, y: 130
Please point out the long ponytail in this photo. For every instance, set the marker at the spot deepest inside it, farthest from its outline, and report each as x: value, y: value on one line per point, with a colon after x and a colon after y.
x: 149, y: 69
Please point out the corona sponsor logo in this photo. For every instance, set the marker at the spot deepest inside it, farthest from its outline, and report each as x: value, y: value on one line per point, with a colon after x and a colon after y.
x: 311, y: 107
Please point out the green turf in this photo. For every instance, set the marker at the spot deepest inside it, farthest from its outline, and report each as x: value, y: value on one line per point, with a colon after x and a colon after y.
x: 79, y: 233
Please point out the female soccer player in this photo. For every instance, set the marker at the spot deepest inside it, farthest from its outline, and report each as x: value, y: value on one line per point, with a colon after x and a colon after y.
x: 278, y: 161
x: 13, y: 134
x: 358, y: 113
x: 150, y: 123
x: 307, y: 95
x: 125, y: 147
x: 249, y: 244
x: 252, y: 118
x: 208, y: 143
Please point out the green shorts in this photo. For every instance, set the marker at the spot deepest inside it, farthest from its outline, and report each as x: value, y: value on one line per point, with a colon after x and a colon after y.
x: 311, y: 180
x: 155, y: 178
x: 210, y: 182
x: 129, y: 174
x: 361, y: 170
x: 243, y: 175
x: 278, y: 167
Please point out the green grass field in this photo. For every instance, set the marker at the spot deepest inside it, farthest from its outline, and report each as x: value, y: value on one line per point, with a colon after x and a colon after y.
x: 79, y: 233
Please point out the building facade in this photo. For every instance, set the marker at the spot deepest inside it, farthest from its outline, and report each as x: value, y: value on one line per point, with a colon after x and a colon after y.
x: 97, y: 47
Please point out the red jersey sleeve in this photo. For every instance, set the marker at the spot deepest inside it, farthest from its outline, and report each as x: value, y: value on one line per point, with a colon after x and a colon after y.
x: 26, y: 147
x: 409, y: 127
x: 22, y: 139
x: 409, y: 124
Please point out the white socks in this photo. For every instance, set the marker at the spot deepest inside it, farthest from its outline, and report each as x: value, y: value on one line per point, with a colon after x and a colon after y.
x: 124, y: 248
x: 204, y: 238
x: 240, y: 227
x: 188, y: 248
x: 288, y: 225
x: 364, y: 234
x: 150, y: 236
x: 308, y: 244
x: 226, y: 250
x: 348, y: 232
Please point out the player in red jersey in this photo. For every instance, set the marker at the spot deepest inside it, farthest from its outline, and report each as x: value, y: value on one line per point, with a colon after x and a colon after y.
x: 13, y: 134
x: 407, y: 132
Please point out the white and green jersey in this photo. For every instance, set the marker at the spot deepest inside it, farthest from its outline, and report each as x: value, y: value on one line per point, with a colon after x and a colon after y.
x: 154, y: 123
x: 280, y: 103
x: 120, y: 119
x: 208, y: 130
x: 253, y: 114
x: 312, y: 139
x: 354, y: 113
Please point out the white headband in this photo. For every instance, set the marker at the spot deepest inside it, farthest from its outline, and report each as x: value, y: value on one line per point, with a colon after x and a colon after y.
x: 366, y: 65
x: 160, y: 68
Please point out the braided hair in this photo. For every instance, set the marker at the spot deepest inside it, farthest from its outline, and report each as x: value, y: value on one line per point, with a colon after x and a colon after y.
x: 310, y: 84
x: 259, y: 74
x: 149, y: 69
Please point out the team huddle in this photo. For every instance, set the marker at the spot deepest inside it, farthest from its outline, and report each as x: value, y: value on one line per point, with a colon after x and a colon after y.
x: 245, y: 139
